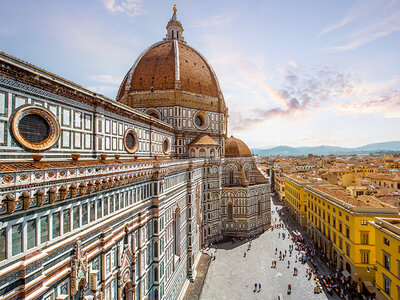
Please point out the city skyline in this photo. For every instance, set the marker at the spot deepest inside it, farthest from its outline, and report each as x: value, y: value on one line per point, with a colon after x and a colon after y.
x: 298, y: 74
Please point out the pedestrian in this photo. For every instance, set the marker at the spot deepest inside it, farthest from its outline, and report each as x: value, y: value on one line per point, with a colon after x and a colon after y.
x: 244, y: 255
x: 288, y: 264
x: 255, y: 287
x: 276, y: 250
x: 259, y: 287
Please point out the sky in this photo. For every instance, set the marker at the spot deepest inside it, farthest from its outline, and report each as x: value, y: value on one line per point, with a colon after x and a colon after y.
x: 296, y: 73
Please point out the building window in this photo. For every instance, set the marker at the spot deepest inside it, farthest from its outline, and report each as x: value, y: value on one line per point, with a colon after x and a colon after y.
x: 35, y: 128
x: 84, y: 214
x: 56, y: 225
x: 31, y: 234
x: 3, y: 243
x: 105, y: 206
x: 230, y: 211
x: 364, y: 257
x: 386, y: 283
x: 98, y: 209
x: 347, y: 249
x: 66, y: 221
x: 364, y: 238
x: 75, y: 217
x: 177, y: 233
x: 386, y: 241
x: 16, y: 239
x: 44, y: 229
x: 92, y: 211
x: 386, y: 261
x: 347, y: 232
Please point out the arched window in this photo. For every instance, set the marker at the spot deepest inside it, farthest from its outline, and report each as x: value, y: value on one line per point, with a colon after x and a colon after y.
x: 202, y: 152
x: 212, y: 153
x: 192, y: 153
x: 172, y: 34
x: 230, y: 211
x: 231, y: 177
x: 259, y: 207
x: 177, y: 233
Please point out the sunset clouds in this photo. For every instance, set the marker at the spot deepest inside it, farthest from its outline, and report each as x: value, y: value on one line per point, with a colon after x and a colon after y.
x: 293, y: 73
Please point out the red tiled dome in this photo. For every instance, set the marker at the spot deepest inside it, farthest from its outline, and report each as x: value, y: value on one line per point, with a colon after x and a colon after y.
x: 236, y: 148
x: 168, y: 62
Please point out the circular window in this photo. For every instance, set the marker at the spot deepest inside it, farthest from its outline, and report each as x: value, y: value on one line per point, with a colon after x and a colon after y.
x: 35, y: 128
x: 131, y: 141
x: 201, y: 120
x: 166, y: 146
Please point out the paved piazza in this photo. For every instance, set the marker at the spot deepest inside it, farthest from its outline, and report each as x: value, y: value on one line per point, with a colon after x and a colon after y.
x: 231, y: 276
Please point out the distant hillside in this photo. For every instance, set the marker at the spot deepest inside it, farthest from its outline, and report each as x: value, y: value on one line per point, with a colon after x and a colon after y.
x: 327, y: 150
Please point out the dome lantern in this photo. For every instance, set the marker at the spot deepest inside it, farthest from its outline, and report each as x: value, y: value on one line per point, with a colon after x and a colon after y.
x: 174, y: 28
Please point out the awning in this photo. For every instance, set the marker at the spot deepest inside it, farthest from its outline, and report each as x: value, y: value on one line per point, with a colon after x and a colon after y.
x: 370, y: 287
x: 346, y: 273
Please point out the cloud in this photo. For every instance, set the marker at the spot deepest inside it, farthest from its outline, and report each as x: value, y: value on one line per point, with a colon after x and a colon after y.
x: 386, y: 104
x: 129, y: 7
x: 104, y: 89
x: 336, y: 26
x: 365, y: 22
x: 301, y: 90
x: 105, y: 84
x: 107, y: 79
x: 214, y: 20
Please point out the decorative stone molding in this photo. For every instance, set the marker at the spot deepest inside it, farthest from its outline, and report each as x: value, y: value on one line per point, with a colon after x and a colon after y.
x: 79, y: 272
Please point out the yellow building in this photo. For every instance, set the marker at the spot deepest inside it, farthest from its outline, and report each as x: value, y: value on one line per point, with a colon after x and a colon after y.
x: 338, y: 224
x: 279, y: 187
x: 294, y: 196
x: 364, y: 170
x: 387, y: 245
x: 385, y: 180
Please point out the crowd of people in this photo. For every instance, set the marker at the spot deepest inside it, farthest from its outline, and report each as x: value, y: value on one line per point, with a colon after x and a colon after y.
x: 332, y: 281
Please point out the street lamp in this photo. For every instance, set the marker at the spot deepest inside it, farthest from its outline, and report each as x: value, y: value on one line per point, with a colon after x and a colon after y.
x: 373, y: 268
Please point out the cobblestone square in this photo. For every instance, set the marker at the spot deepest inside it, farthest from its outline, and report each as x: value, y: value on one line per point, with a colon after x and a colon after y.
x: 232, y: 276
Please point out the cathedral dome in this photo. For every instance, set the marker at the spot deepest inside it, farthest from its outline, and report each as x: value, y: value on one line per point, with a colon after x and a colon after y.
x: 236, y: 148
x: 171, y: 73
x: 170, y: 64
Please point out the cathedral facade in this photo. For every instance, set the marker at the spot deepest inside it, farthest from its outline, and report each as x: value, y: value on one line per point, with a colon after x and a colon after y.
x: 114, y: 199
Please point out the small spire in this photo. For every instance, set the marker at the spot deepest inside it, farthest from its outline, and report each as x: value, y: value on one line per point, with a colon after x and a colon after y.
x: 174, y: 28
x: 174, y: 15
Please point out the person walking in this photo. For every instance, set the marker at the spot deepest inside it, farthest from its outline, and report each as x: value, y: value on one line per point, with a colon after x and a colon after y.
x: 259, y: 287
x: 288, y: 264
x: 255, y: 287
